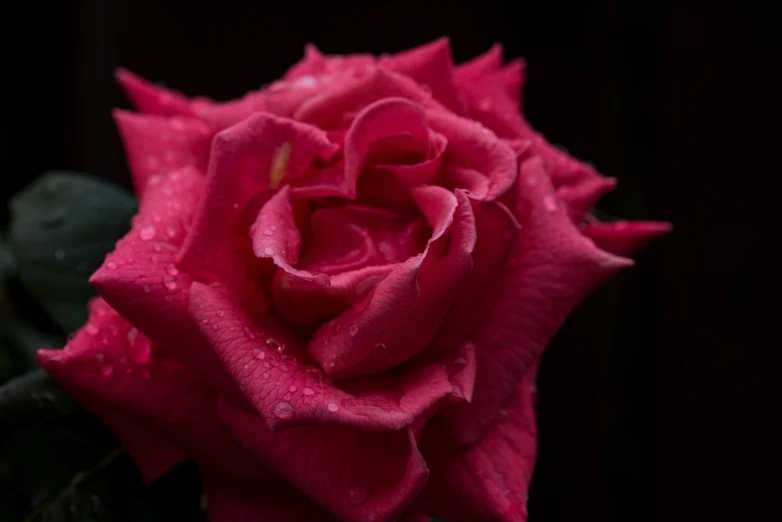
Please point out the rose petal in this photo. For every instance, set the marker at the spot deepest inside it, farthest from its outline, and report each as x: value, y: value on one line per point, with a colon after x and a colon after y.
x: 272, y: 370
x: 388, y: 118
x: 329, y: 109
x: 156, y: 145
x: 581, y: 197
x: 474, y: 147
x: 372, y: 476
x: 625, y: 238
x: 153, y: 99
x: 515, y: 76
x: 236, y: 499
x: 390, y: 306
x: 241, y: 160
x: 313, y: 63
x: 553, y: 269
x: 486, y: 63
x: 497, y: 232
x: 432, y: 66
x: 488, y: 480
x: 142, y: 280
x: 222, y: 115
x: 111, y: 361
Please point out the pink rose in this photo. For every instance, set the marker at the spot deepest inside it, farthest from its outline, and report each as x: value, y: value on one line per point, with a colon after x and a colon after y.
x: 337, y: 289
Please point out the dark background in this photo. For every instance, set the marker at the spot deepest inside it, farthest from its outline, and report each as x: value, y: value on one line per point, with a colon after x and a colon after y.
x: 660, y: 399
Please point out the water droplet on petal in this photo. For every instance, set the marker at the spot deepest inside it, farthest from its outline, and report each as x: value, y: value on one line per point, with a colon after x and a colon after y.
x: 358, y: 494
x: 283, y: 410
x: 353, y: 329
x: 268, y: 251
x: 265, y: 375
x: 170, y: 231
x: 169, y: 282
x: 484, y: 104
x: 532, y: 181
x: 379, y: 349
x: 59, y: 254
x: 307, y: 391
x: 315, y: 372
x: 106, y: 370
x: 172, y: 270
x: 292, y: 388
x: 274, y: 345
x: 147, y: 233
x: 332, y: 407
x: 258, y: 353
x: 268, y: 232
x: 91, y: 329
x: 111, y: 265
x: 549, y: 203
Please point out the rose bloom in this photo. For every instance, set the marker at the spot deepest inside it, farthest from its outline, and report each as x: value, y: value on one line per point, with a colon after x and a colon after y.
x: 337, y: 289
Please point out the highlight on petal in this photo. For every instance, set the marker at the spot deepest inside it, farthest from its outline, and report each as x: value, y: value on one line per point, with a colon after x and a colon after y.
x: 488, y: 480
x: 156, y: 145
x: 625, y: 238
x: 431, y: 65
x: 553, y: 268
x: 112, y: 363
x: 241, y: 160
x: 371, y: 476
x: 271, y: 366
x: 143, y: 282
x: 472, y: 146
x: 152, y: 99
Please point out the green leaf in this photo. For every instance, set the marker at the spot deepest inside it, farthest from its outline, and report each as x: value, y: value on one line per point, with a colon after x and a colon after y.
x: 61, y: 228
x: 59, y: 464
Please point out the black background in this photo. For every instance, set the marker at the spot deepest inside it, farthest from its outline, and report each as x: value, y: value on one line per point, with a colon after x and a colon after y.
x: 660, y: 398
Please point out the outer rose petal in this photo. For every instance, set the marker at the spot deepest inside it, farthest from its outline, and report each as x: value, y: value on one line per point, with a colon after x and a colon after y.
x: 219, y: 116
x: 157, y: 145
x: 330, y: 109
x: 515, y: 76
x: 431, y: 65
x: 236, y: 499
x: 489, y: 479
x: 475, y: 147
x: 267, y: 363
x: 109, y: 361
x: 152, y: 99
x: 580, y: 198
x: 486, y: 63
x: 241, y: 159
x: 313, y: 63
x: 624, y: 238
x: 140, y: 279
x: 358, y: 476
x: 554, y: 268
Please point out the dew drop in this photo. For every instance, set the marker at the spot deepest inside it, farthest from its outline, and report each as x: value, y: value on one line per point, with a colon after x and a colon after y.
x: 307, y: 391
x: 268, y: 232
x: 358, y: 494
x: 268, y: 251
x: 59, y: 254
x: 532, y: 181
x: 147, y: 233
x: 380, y: 349
x: 170, y: 231
x: 484, y: 104
x: 549, y: 203
x: 265, y: 375
x: 283, y: 410
x: 169, y: 282
x: 292, y: 388
x: 111, y: 265
x: 274, y: 345
x: 106, y: 370
x: 460, y: 362
x: 353, y: 329
x: 91, y: 329
x: 258, y: 353
x: 304, y: 82
x: 172, y: 270
x: 332, y: 407
x: 315, y: 372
